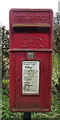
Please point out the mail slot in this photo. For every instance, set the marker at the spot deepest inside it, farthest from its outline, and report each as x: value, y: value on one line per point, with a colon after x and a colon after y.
x: 30, y: 49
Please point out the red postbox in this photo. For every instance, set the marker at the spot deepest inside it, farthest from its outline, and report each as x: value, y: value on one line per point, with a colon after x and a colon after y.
x: 30, y: 49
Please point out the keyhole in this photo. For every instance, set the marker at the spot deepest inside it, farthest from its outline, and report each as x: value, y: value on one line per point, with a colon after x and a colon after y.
x: 19, y: 80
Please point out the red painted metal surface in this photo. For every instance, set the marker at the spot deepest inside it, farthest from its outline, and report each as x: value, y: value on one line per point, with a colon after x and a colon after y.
x: 30, y: 31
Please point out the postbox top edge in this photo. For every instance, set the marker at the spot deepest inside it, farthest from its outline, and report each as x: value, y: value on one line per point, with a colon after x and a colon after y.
x: 34, y: 9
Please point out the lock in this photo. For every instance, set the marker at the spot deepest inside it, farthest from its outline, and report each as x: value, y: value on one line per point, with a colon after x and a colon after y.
x: 19, y: 80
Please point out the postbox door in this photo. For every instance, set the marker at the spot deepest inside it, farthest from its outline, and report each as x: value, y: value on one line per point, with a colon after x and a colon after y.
x: 30, y: 100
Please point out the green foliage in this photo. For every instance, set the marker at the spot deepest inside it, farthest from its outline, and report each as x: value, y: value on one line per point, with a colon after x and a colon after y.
x: 5, y: 41
x: 6, y: 113
x: 55, y: 66
x: 5, y: 85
